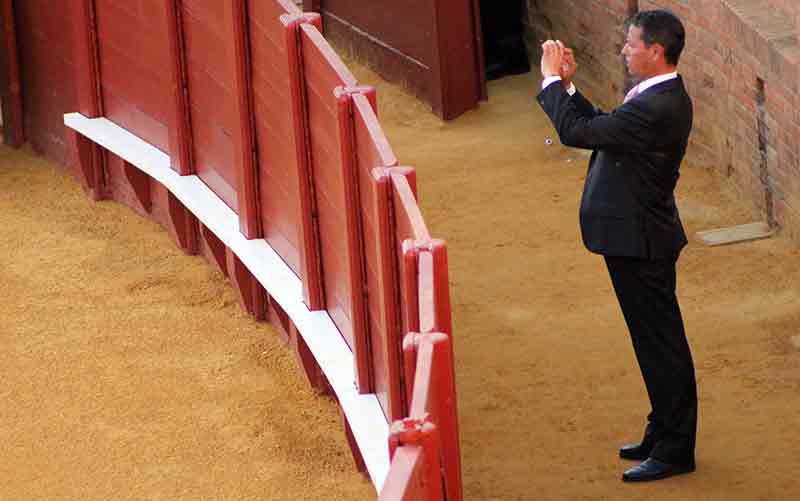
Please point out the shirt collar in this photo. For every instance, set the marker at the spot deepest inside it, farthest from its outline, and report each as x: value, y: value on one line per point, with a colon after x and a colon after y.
x: 646, y: 84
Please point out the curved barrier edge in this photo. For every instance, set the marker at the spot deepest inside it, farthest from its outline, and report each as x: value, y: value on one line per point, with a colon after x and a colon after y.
x: 363, y: 412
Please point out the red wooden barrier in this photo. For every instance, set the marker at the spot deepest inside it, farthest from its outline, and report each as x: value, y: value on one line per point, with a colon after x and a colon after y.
x: 180, y: 134
x: 47, y: 55
x: 244, y: 141
x: 406, y: 479
x: 410, y: 232
x: 435, y: 287
x: 414, y: 474
x: 328, y: 83
x: 210, y: 70
x: 431, y: 46
x: 285, y: 136
x: 129, y: 185
x: 373, y: 150
x: 434, y: 395
x: 91, y: 159
x: 284, y: 191
x: 13, y: 133
x: 132, y: 38
x: 408, y: 218
x: 382, y: 278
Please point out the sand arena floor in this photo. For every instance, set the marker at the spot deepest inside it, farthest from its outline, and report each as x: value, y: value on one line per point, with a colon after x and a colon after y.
x: 130, y: 373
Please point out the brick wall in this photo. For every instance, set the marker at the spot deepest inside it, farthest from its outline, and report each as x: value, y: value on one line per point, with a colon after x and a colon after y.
x: 741, y: 66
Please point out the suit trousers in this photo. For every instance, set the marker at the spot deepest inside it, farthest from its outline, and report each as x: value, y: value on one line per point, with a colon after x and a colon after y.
x: 646, y: 293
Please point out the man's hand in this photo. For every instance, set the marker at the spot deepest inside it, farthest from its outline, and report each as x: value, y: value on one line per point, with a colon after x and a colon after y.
x: 552, y: 58
x: 568, y: 67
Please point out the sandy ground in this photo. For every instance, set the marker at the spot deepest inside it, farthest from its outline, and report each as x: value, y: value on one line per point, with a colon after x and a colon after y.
x: 129, y: 372
x: 108, y: 394
x: 547, y: 380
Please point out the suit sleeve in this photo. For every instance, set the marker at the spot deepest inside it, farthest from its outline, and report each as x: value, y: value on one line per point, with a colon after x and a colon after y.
x: 628, y: 128
x: 585, y: 106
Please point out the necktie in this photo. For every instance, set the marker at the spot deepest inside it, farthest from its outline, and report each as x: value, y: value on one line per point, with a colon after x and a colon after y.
x: 631, y: 93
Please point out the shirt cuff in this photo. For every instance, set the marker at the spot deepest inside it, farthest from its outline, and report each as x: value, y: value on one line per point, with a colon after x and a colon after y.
x: 547, y: 82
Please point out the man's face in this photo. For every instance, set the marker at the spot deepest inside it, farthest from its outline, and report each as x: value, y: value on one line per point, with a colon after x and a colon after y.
x: 638, y: 57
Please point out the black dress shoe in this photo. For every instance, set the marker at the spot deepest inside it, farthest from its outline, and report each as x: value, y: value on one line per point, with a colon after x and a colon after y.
x: 642, y: 450
x: 653, y: 469
x: 639, y: 452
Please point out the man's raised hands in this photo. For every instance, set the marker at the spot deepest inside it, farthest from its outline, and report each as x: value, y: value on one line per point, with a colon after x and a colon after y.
x: 552, y: 58
x: 568, y: 67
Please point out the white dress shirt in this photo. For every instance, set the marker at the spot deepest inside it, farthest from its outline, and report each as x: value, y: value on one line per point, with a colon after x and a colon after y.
x: 643, y: 85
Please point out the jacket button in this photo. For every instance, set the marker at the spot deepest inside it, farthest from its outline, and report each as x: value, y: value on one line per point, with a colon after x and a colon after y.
x: 618, y: 164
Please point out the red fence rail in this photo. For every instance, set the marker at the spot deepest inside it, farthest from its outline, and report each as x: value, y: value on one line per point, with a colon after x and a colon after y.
x: 328, y: 86
x: 416, y: 465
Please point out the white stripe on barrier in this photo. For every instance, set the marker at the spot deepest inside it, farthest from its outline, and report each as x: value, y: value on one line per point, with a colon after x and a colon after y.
x: 363, y: 412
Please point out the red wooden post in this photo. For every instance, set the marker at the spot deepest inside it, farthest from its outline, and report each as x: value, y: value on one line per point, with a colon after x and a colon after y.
x: 483, y: 90
x: 87, y: 64
x: 456, y: 82
x: 140, y: 182
x: 252, y: 296
x: 90, y: 100
x: 244, y: 141
x: 13, y: 131
x: 180, y: 132
x: 417, y: 431
x: 361, y: 349
x: 216, y: 247
x: 184, y: 224
x: 310, y: 260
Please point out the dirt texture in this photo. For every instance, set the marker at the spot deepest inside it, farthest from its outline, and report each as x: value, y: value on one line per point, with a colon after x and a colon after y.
x: 130, y: 372
x: 548, y: 384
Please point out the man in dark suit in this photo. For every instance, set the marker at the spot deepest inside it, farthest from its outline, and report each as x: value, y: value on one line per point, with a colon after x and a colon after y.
x: 628, y: 215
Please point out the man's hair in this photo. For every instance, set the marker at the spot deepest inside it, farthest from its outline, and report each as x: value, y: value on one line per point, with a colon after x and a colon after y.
x: 664, y: 28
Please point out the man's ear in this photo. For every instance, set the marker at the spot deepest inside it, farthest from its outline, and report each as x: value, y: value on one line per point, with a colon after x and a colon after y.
x: 658, y: 51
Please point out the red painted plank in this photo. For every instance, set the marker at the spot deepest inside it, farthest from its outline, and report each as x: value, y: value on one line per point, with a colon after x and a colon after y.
x: 406, y: 479
x: 13, y: 133
x: 372, y: 146
x: 278, y: 164
x: 208, y: 43
x: 310, y: 260
x: 383, y: 312
x: 86, y: 59
x: 133, y: 44
x: 244, y: 140
x: 329, y: 103
x: 434, y: 398
x: 373, y: 156
x: 415, y: 471
x: 180, y: 134
x: 408, y: 218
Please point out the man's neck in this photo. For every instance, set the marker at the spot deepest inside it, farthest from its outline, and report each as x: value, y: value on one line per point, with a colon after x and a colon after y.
x: 661, y: 71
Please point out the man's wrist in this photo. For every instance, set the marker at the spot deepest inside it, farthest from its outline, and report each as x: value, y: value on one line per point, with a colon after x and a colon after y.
x: 548, y: 81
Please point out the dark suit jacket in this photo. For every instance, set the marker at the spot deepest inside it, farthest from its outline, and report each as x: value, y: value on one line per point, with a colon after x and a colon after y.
x: 628, y: 205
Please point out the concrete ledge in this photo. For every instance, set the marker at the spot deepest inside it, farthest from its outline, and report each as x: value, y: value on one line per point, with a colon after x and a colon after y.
x: 736, y: 234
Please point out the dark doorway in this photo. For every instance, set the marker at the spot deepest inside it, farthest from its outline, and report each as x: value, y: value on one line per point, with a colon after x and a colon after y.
x: 503, y: 41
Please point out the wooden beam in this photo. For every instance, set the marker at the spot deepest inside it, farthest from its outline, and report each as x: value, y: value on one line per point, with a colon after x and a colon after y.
x: 13, y: 130
x: 180, y: 132
x: 246, y: 161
